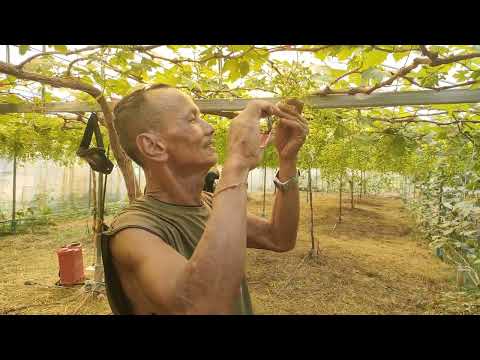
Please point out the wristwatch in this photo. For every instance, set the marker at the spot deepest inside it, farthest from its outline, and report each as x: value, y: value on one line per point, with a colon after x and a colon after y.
x: 287, y: 185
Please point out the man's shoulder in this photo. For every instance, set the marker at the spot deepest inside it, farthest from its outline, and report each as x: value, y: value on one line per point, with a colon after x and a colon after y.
x: 137, y: 208
x: 141, y: 214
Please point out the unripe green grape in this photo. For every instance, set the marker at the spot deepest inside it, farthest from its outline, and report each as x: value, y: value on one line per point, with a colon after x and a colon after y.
x: 264, y: 128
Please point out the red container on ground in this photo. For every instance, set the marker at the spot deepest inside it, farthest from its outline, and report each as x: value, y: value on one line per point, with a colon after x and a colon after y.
x: 70, y: 261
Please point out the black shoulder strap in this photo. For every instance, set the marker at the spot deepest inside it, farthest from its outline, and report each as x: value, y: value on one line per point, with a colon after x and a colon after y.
x: 117, y: 298
x: 87, y: 134
x: 95, y: 156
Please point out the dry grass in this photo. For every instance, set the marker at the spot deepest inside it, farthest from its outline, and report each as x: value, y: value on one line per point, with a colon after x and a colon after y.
x: 32, y: 258
x: 369, y: 264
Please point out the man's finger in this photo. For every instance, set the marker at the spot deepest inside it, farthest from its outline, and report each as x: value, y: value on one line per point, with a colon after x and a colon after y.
x: 282, y: 114
x: 303, y: 120
x: 293, y: 110
x: 267, y: 110
x: 279, y: 110
x: 289, y: 109
x: 297, y: 104
x: 259, y: 108
x: 293, y: 124
x: 300, y: 121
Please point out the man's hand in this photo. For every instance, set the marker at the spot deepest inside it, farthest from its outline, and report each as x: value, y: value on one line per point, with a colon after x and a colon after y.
x: 290, y: 133
x: 244, y: 134
x: 280, y: 233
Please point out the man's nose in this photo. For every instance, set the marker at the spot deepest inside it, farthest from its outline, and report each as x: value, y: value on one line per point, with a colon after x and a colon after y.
x: 209, y: 129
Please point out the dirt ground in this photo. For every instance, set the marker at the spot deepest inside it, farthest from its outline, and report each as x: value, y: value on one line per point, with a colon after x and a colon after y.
x: 370, y: 263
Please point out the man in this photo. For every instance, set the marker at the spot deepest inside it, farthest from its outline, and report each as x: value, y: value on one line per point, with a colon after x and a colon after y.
x: 209, y: 185
x: 178, y: 250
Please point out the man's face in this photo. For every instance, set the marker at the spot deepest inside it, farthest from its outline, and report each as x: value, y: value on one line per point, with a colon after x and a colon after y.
x: 187, y: 137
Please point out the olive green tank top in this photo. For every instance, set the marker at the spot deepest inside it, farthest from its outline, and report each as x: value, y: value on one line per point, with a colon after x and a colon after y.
x: 179, y: 226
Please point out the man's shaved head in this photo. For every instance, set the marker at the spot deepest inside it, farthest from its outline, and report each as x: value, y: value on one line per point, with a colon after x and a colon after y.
x: 136, y: 113
x: 162, y: 125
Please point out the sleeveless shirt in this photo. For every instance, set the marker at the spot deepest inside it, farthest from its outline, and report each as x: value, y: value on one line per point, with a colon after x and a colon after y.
x: 181, y: 227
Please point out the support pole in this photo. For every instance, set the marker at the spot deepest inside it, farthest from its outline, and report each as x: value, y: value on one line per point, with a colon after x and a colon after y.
x: 14, y: 197
x: 14, y: 187
x: 94, y: 201
x: 313, y: 251
x: 340, y: 202
x: 381, y: 99
x: 361, y: 184
x: 89, y: 189
x: 351, y: 192
x: 44, y: 49
x: 98, y: 276
x: 440, y: 201
x: 102, y: 190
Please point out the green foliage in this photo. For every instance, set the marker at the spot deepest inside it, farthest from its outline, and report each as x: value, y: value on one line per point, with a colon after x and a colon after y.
x: 448, y: 217
x: 342, y: 141
x: 447, y: 206
x: 374, y: 58
x: 35, y: 136
x: 23, y: 49
x: 61, y: 48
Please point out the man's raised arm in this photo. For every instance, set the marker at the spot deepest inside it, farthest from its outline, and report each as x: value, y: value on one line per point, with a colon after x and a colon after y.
x: 280, y: 233
x: 209, y: 282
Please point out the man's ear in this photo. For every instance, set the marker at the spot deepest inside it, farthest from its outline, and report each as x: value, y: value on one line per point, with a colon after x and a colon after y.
x: 151, y: 147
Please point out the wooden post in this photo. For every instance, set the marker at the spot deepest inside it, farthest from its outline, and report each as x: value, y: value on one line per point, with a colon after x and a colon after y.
x: 44, y: 49
x: 406, y: 187
x: 102, y: 191
x: 14, y: 198
x: 340, y: 204
x: 361, y: 184
x: 351, y: 192
x: 71, y: 187
x: 104, y: 195
x: 440, y: 200
x: 64, y: 184
x: 98, y: 275
x: 313, y: 251
x: 13, y: 224
x: 307, y: 195
x: 364, y: 185
x: 89, y: 188
x: 94, y: 201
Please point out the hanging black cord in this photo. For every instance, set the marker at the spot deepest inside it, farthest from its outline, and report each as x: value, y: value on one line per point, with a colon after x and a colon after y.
x: 105, y: 187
